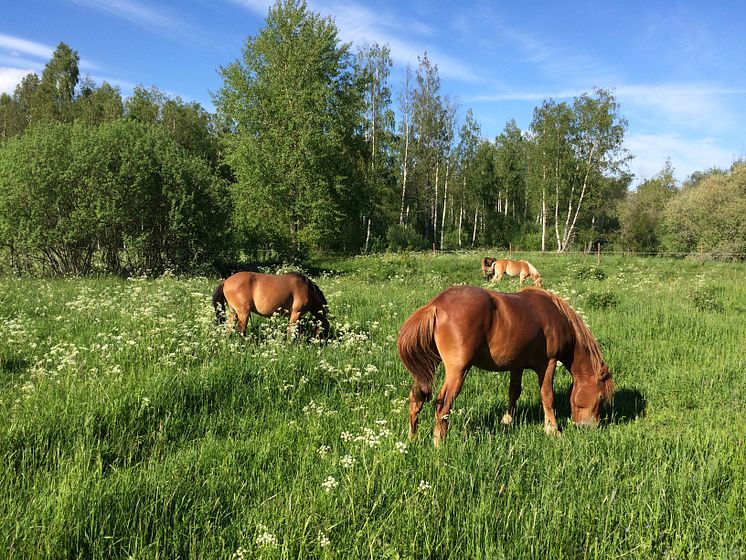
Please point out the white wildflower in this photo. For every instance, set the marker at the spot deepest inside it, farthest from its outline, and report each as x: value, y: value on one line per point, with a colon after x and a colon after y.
x: 424, y: 486
x: 348, y: 461
x: 329, y: 484
x: 323, y: 539
x: 265, y: 538
x: 401, y: 447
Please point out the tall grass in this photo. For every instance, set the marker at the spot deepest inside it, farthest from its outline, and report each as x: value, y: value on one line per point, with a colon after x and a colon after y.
x: 133, y: 427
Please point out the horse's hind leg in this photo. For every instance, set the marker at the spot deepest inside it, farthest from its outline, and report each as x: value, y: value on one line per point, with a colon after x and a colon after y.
x: 243, y: 321
x: 443, y: 403
x: 514, y: 391
x: 243, y: 314
x: 418, y: 395
x: 230, y: 322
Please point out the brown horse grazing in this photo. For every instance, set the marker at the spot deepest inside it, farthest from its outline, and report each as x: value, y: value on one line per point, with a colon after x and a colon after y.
x: 465, y: 326
x: 266, y: 294
x: 487, y: 266
x: 515, y: 268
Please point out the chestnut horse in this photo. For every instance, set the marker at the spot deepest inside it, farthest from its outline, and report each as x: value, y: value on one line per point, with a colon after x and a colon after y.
x: 522, y: 269
x: 465, y: 326
x: 266, y: 294
x: 487, y: 266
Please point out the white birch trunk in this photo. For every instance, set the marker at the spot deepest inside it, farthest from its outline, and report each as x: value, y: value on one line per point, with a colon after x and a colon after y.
x: 474, y: 233
x: 445, y: 201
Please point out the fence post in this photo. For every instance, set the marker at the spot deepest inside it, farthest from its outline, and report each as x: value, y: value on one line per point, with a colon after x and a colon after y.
x: 510, y: 250
x: 598, y: 253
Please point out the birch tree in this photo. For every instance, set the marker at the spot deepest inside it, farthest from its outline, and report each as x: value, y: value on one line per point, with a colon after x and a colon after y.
x: 575, y: 148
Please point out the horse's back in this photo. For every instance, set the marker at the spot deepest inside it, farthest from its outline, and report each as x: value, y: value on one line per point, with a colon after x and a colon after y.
x: 498, y: 331
x: 266, y: 294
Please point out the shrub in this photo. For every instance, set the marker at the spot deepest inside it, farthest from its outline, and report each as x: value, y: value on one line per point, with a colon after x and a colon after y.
x: 706, y: 299
x: 591, y: 273
x: 402, y: 238
x: 602, y: 300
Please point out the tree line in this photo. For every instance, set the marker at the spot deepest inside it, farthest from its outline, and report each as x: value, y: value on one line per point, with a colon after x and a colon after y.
x: 310, y: 150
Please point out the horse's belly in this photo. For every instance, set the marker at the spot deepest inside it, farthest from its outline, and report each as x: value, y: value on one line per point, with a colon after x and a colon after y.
x: 498, y: 363
x: 269, y: 308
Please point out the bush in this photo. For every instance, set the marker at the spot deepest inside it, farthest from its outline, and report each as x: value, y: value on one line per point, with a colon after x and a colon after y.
x: 591, y: 273
x: 403, y: 238
x: 602, y: 300
x: 706, y: 299
x: 123, y: 197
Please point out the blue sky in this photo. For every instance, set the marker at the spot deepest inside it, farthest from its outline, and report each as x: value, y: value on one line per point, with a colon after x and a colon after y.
x: 676, y: 68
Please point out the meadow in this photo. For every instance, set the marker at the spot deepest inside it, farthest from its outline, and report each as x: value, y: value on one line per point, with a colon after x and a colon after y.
x: 131, y: 426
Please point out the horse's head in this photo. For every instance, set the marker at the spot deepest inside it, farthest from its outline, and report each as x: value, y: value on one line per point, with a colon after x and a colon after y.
x: 487, y: 269
x: 587, y: 395
x: 537, y: 282
x: 321, y: 330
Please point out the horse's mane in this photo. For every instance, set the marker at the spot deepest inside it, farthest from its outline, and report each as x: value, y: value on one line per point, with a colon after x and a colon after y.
x: 532, y: 270
x: 583, y: 335
x: 312, y: 288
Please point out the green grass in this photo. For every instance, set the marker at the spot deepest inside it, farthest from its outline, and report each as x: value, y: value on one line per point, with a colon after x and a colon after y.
x: 132, y: 427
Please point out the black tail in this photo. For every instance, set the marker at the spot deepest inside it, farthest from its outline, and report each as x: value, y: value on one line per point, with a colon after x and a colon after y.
x: 218, y: 302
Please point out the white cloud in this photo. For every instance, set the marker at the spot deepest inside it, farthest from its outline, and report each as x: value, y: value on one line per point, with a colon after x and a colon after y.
x: 10, y: 78
x: 142, y: 15
x: 687, y: 155
x: 258, y: 7
x: 358, y: 24
x: 535, y: 96
x: 134, y: 12
x: 695, y: 106
x: 17, y: 46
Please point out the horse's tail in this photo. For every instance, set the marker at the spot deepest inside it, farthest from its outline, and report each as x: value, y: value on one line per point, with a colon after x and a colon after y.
x: 218, y: 303
x: 417, y: 348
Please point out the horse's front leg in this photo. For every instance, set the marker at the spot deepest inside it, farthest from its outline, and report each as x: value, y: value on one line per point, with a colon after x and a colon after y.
x: 546, y: 386
x: 293, y: 324
x: 514, y: 391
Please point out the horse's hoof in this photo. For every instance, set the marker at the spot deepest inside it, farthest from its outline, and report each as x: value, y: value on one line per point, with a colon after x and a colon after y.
x: 551, y: 430
x: 507, y: 419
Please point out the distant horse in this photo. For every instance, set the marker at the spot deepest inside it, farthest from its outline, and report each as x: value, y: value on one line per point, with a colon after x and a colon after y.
x: 266, y: 294
x: 487, y: 267
x: 515, y: 268
x: 465, y: 326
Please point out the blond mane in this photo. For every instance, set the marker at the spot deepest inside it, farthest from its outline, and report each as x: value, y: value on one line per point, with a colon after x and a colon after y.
x: 583, y: 335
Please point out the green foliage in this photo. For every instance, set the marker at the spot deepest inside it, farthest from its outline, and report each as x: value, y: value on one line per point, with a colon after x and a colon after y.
x: 403, y: 238
x: 293, y: 107
x: 133, y: 427
x: 641, y: 213
x: 576, y: 150
x: 95, y: 106
x: 709, y: 216
x: 590, y: 273
x: 705, y: 298
x: 601, y: 300
x: 122, y: 197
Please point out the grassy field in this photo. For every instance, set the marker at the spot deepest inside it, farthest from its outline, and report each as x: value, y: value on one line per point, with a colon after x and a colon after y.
x: 132, y: 427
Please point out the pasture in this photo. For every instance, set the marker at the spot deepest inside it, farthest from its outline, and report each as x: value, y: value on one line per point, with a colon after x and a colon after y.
x: 133, y: 427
